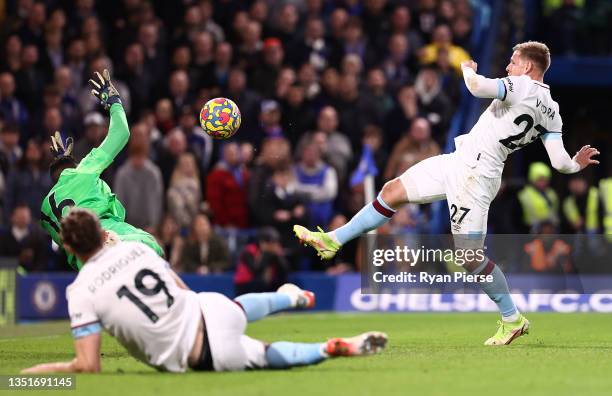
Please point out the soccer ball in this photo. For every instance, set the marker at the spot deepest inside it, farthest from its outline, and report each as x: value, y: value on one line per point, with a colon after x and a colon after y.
x: 220, y: 118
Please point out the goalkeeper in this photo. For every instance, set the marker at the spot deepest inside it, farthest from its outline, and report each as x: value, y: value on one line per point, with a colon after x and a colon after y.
x: 80, y: 184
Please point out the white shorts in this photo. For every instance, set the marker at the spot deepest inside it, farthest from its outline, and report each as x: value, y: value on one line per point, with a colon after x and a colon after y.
x: 225, y: 325
x: 468, y: 193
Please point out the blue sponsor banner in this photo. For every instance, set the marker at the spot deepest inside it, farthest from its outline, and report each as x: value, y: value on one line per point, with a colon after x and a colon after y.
x: 42, y: 296
x: 530, y: 294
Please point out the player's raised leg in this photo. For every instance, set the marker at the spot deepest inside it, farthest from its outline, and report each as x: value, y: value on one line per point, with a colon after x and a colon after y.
x: 288, y: 296
x: 422, y: 183
x: 283, y: 354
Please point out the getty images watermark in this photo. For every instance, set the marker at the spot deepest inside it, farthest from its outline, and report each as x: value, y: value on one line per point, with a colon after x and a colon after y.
x: 427, y: 263
x: 406, y: 256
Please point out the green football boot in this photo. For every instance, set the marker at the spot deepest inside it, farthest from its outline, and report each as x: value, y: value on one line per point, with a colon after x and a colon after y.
x: 509, y: 331
x: 325, y: 246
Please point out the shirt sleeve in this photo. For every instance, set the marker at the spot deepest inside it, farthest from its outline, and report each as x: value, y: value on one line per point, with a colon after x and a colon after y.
x: 83, y: 319
x: 514, y: 89
x: 559, y: 158
x: 118, y: 135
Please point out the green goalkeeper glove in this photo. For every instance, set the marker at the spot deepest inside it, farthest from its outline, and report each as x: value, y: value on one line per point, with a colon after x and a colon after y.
x: 104, y: 90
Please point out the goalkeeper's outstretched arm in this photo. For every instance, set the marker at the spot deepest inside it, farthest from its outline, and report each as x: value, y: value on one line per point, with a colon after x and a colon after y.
x: 118, y: 131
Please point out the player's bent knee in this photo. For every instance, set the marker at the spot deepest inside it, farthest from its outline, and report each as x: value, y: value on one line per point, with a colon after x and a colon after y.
x: 394, y: 193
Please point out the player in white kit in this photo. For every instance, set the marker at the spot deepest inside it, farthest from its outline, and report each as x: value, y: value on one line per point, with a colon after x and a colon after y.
x: 522, y: 111
x: 128, y: 290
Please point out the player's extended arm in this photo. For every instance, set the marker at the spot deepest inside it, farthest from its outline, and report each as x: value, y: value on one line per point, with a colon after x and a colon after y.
x: 560, y: 159
x: 480, y: 86
x: 118, y: 130
x: 87, y: 358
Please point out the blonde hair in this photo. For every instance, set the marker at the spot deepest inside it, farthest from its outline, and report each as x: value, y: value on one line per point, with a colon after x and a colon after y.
x: 178, y: 176
x: 536, y: 52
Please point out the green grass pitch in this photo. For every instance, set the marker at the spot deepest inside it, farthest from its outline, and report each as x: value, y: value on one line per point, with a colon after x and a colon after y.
x: 428, y: 354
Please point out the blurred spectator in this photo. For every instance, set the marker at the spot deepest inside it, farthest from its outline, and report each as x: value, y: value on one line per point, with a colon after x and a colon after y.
x: 564, y: 28
x: 226, y: 189
x: 414, y: 147
x: 28, y: 182
x: 172, y: 146
x: 433, y: 102
x: 249, y: 51
x: 199, y: 143
x: 95, y: 130
x: 138, y: 183
x: 297, y: 115
x: 581, y: 207
x: 11, y: 61
x: 351, y: 65
x: 32, y: 31
x: 373, y: 138
x: 184, y: 192
x: 286, y: 28
x: 269, y: 118
x: 281, y: 206
x: 75, y: 61
x: 169, y: 237
x: 377, y: 97
x: 547, y: 253
x: 335, y: 146
x: 605, y: 189
x: 318, y: 182
x: 538, y: 200
x: 272, y: 62
x: 11, y: 109
x: 443, y: 38
x: 24, y: 240
x: 401, y: 23
x: 355, y: 42
x: 462, y: 31
x: 285, y: 79
x: 29, y: 79
x: 449, y: 79
x: 308, y: 78
x: 52, y: 122
x: 426, y: 18
x: 223, y: 64
x: 203, y: 252
x: 262, y: 266
x: 140, y: 80
x: 154, y: 50
x: 10, y: 151
x: 314, y: 48
x: 249, y: 102
x: 179, y: 90
x: 352, y: 109
x: 401, y: 117
x: 275, y: 154
x: 396, y: 64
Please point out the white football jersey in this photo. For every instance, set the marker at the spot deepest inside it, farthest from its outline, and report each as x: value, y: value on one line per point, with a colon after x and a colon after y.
x: 129, y: 290
x: 525, y: 113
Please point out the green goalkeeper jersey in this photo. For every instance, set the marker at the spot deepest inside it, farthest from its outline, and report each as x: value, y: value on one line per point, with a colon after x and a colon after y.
x: 82, y: 187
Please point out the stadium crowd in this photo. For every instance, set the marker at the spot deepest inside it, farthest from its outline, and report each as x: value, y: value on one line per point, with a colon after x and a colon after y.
x: 316, y: 81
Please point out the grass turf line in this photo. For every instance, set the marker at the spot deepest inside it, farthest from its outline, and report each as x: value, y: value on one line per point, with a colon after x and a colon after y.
x: 428, y: 354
